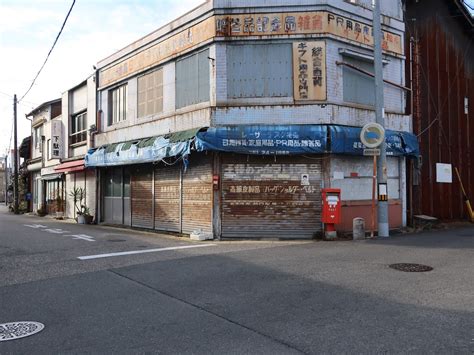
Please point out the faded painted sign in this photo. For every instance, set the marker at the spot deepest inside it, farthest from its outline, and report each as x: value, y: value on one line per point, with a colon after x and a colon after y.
x: 309, y: 70
x: 315, y: 22
x: 56, y: 139
x: 175, y: 44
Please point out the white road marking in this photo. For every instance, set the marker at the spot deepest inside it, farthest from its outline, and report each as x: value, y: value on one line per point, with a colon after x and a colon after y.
x: 36, y: 226
x: 55, y: 230
x: 81, y: 236
x: 98, y: 256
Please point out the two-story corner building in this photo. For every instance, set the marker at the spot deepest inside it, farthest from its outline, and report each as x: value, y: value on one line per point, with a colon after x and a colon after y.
x: 78, y: 121
x: 232, y: 118
x: 46, y: 131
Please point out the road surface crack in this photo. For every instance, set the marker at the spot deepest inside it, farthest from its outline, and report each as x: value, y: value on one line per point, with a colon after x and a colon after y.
x: 202, y: 309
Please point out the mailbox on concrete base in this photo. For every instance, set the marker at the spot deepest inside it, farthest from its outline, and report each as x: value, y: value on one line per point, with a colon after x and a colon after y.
x: 331, y: 211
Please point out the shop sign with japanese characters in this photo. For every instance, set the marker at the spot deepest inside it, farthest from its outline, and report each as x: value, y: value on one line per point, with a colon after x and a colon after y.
x: 56, y: 139
x: 315, y: 22
x: 309, y: 70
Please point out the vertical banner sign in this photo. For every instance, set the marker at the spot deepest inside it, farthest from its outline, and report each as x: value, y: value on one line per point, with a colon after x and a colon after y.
x: 309, y: 70
x: 56, y: 139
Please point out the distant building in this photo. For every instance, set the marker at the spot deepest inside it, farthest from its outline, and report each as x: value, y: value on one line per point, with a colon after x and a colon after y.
x: 78, y: 122
x: 3, y: 179
x: 232, y: 118
x: 46, y: 148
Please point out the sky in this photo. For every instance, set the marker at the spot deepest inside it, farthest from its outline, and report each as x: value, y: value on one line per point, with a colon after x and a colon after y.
x: 95, y: 29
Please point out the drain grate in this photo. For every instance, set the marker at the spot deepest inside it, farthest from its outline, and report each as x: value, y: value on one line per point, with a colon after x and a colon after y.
x: 411, y: 267
x: 116, y: 240
x: 17, y: 330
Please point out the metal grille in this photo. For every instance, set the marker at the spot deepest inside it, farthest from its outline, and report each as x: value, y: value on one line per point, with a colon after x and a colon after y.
x: 17, y: 330
x: 411, y: 267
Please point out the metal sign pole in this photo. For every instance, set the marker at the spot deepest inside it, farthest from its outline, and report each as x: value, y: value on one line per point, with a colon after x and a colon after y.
x: 383, y: 227
x: 374, y: 177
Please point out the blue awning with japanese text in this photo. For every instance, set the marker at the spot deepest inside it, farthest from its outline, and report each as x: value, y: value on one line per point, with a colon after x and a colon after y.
x: 346, y: 140
x: 264, y: 139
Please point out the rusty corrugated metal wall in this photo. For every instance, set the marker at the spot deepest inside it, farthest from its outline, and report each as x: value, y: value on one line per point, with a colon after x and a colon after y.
x: 442, y: 64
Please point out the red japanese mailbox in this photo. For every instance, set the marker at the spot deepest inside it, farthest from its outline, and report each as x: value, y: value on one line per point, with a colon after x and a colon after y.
x: 331, y: 210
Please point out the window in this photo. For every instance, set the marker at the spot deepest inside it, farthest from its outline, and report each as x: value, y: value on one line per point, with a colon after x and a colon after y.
x: 262, y: 70
x: 192, y: 79
x: 118, y: 104
x: 78, y: 128
x: 358, y: 87
x: 150, y: 93
x: 37, y: 133
x: 113, y: 182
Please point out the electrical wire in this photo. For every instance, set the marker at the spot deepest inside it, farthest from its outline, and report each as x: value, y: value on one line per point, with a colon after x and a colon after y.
x: 49, y: 53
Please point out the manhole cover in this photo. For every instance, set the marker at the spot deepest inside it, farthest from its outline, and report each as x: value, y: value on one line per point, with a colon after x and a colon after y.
x: 16, y: 330
x: 411, y: 267
x: 116, y: 240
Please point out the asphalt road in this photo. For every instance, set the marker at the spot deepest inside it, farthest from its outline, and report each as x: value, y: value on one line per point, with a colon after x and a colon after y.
x: 232, y: 297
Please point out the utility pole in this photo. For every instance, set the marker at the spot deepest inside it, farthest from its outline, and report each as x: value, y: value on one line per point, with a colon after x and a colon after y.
x: 15, y: 157
x: 383, y: 228
x: 6, y: 179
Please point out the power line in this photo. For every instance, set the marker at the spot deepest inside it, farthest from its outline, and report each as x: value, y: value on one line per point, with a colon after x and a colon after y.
x: 57, y: 37
x: 25, y: 102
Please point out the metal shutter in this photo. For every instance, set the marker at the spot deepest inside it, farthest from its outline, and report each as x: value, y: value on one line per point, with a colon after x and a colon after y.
x: 197, y: 195
x: 167, y: 198
x: 142, y: 197
x: 262, y: 198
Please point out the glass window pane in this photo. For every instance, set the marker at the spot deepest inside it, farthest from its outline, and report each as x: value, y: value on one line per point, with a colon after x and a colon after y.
x: 117, y: 182
x: 108, y: 183
x: 126, y: 182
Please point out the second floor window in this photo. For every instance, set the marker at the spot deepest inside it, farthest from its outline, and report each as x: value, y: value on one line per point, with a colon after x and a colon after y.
x: 78, y: 128
x: 38, y: 132
x: 150, y: 93
x: 118, y: 104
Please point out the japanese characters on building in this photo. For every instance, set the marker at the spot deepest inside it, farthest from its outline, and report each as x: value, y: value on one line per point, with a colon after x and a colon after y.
x: 314, y: 22
x: 56, y: 139
x: 309, y: 70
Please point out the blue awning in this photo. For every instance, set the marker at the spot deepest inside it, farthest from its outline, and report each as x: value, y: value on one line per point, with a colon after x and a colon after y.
x: 147, y: 150
x: 249, y: 139
x: 346, y: 140
x: 264, y: 139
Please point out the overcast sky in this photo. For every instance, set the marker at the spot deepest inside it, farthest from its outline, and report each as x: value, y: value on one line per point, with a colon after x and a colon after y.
x: 95, y: 29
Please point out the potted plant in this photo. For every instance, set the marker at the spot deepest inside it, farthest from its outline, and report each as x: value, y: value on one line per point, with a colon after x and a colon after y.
x: 82, y: 211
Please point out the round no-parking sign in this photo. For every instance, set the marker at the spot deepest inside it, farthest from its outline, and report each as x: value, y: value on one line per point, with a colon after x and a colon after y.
x: 372, y: 135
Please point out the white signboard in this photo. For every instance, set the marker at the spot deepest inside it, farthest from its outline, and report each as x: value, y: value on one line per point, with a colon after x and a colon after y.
x: 444, y: 173
x: 56, y: 139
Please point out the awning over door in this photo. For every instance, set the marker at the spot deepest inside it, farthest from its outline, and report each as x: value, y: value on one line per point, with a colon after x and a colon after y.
x: 52, y: 176
x: 70, y: 166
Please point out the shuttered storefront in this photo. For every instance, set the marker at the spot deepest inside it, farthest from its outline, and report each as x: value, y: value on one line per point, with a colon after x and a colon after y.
x: 197, y: 195
x: 142, y: 196
x: 173, y: 200
x: 167, y: 198
x: 264, y: 198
